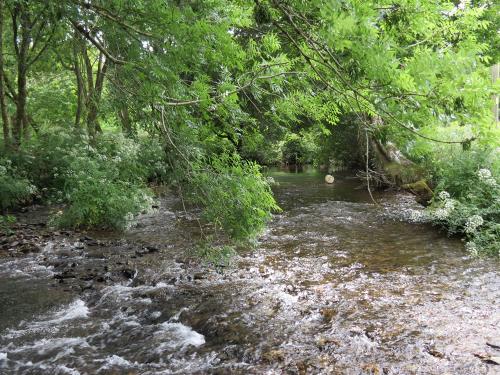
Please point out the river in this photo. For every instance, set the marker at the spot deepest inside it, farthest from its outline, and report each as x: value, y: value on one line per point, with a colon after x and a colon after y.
x: 336, y: 285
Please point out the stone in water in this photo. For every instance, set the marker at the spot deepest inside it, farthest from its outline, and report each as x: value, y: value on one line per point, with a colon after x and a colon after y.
x: 329, y: 179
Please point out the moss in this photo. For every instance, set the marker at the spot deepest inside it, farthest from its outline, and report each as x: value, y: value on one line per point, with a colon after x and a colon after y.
x: 420, y: 188
x: 403, y: 174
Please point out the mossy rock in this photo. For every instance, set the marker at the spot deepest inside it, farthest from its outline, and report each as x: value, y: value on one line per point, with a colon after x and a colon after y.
x: 420, y: 188
x: 402, y: 173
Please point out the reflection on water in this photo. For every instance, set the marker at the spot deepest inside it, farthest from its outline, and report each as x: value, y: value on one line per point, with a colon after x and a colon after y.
x: 336, y: 286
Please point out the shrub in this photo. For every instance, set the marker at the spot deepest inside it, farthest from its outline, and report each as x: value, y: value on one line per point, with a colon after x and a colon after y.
x: 6, y: 221
x: 104, y: 185
x: 14, y: 189
x: 101, y: 183
x: 48, y: 157
x: 139, y: 159
x: 103, y: 203
x: 469, y: 200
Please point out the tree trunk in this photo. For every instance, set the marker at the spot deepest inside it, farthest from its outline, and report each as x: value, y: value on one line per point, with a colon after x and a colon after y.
x: 90, y: 90
x: 22, y: 70
x: 95, y: 96
x: 80, y: 84
x: 26, y: 127
x: 495, y: 72
x: 3, y: 103
x: 124, y: 116
x: 94, y: 91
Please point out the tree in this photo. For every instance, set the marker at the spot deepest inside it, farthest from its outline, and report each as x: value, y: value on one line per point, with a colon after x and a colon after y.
x: 413, y: 64
x: 3, y: 102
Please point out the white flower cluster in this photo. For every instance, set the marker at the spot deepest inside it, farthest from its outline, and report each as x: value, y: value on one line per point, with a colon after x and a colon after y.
x: 473, y: 223
x: 449, y: 205
x: 471, y: 248
x: 441, y: 213
x: 444, y: 195
x: 148, y: 200
x: 32, y: 189
x: 444, y: 211
x: 417, y: 216
x: 486, y: 177
x: 484, y: 173
x: 5, y: 166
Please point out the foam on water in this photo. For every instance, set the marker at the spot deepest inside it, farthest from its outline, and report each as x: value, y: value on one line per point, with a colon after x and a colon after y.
x: 44, y: 346
x: 180, y: 336
x: 66, y: 370
x: 76, y: 310
x: 115, y: 361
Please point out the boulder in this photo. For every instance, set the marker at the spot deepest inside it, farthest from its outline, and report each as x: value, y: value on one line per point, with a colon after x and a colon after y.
x: 421, y: 190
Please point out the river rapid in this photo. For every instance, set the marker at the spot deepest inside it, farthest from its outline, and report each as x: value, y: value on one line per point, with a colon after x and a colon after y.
x: 336, y: 285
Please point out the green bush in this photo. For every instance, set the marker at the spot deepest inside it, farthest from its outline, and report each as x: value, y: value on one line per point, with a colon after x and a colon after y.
x: 14, y: 189
x: 468, y: 202
x: 101, y: 183
x: 6, y: 221
x: 341, y: 145
x: 47, y: 158
x: 264, y: 150
x: 99, y: 202
x: 104, y: 186
x: 139, y: 159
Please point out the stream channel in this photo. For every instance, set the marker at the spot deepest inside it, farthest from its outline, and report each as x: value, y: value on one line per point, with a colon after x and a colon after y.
x: 336, y: 285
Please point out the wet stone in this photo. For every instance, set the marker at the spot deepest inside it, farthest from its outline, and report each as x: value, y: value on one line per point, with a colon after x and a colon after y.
x: 128, y: 273
x: 328, y: 314
x: 275, y: 355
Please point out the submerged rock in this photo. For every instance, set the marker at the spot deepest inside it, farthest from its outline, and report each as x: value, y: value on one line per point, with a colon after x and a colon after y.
x: 274, y: 355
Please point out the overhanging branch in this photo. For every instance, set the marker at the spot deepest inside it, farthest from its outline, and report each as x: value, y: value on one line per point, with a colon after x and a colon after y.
x: 81, y: 29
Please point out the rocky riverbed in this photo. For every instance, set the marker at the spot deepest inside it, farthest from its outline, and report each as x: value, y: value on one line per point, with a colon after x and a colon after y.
x: 336, y: 285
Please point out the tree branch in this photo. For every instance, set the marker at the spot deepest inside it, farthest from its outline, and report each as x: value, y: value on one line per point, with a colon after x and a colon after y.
x: 81, y: 29
x: 107, y: 14
x: 43, y: 49
x: 354, y: 92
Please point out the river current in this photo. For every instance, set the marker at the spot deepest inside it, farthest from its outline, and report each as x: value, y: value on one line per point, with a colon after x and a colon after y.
x: 336, y: 285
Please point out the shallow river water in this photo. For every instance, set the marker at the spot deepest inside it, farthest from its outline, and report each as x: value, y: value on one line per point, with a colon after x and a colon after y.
x: 336, y: 285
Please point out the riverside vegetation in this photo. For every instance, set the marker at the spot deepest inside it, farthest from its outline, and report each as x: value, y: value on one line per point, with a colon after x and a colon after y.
x: 100, y: 100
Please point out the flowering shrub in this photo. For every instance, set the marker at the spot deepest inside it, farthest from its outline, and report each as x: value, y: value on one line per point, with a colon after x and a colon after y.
x: 99, y: 202
x: 100, y: 183
x: 474, y: 210
x: 133, y: 159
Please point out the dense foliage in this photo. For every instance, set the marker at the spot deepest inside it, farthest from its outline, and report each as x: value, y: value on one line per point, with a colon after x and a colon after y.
x: 469, y: 198
x: 14, y: 189
x: 100, y: 98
